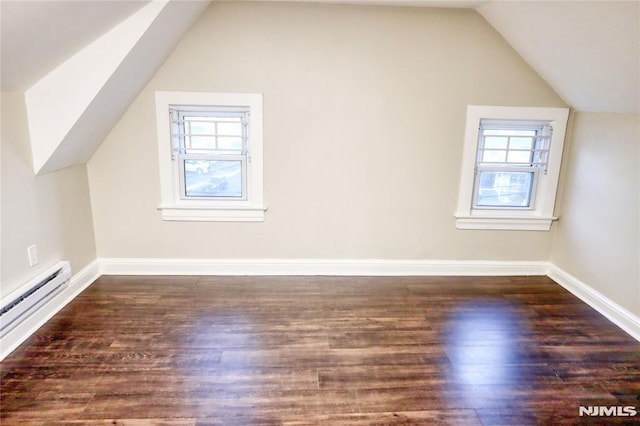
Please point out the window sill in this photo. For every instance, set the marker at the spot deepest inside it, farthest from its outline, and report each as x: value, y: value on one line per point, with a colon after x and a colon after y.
x: 213, y: 214
x: 504, y: 223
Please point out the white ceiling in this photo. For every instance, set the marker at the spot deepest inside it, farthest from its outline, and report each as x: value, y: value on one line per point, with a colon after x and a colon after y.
x: 97, y: 84
x: 37, y: 36
x: 588, y: 51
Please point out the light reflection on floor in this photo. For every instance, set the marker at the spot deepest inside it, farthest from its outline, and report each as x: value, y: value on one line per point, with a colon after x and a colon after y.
x: 484, y: 346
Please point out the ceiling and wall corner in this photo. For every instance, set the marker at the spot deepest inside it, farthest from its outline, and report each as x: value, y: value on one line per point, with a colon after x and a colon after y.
x: 37, y: 36
x: 57, y: 102
x: 587, y: 51
x: 73, y: 107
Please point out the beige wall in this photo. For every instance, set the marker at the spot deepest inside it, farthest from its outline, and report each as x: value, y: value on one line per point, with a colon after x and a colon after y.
x: 597, y: 239
x: 52, y: 210
x: 364, y: 119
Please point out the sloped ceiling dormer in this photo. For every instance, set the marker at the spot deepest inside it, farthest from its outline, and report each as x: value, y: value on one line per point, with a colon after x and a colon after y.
x: 72, y: 107
x: 39, y: 35
x: 588, y: 51
x: 81, y: 63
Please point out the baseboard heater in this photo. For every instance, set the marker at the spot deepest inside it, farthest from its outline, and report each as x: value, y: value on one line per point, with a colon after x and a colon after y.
x: 19, y: 305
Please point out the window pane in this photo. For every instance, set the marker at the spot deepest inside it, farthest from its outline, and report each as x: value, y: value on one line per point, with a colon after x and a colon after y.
x: 208, y: 178
x: 230, y: 129
x: 504, y: 189
x: 200, y: 142
x: 495, y: 142
x: 519, y: 157
x: 521, y: 143
x: 509, y: 132
x: 200, y: 126
x: 230, y: 143
x: 493, y: 156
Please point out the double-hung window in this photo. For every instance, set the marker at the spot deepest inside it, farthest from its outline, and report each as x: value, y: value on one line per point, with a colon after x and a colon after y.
x: 510, y: 157
x: 510, y: 167
x: 210, y: 152
x: 210, y: 147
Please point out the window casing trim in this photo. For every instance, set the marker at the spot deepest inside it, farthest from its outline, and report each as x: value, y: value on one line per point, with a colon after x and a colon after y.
x: 173, y: 205
x: 541, y: 216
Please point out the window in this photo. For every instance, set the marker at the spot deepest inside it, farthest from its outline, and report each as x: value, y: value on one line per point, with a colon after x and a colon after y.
x: 210, y: 153
x: 510, y: 157
x: 211, y: 148
x: 510, y: 168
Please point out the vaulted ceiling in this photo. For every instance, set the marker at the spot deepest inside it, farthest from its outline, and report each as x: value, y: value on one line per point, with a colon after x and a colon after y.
x: 588, y: 51
x: 37, y: 36
x: 77, y: 87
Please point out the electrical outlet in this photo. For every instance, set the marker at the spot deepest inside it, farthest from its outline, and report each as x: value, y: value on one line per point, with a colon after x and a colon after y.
x: 32, y: 252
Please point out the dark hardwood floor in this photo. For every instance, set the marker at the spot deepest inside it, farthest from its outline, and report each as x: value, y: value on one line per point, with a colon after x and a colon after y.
x: 321, y: 350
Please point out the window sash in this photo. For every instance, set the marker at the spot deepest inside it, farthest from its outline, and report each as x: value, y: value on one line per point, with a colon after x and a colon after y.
x: 538, y: 152
x: 505, y: 169
x: 182, y: 137
x: 183, y: 185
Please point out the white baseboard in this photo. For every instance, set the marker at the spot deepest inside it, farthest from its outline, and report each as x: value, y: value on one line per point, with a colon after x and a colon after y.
x: 615, y: 313
x: 624, y: 319
x: 375, y: 267
x: 360, y: 267
x: 30, y: 325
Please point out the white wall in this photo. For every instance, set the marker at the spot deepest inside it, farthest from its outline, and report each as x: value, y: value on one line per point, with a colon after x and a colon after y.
x: 52, y: 211
x: 597, y: 239
x: 364, y: 119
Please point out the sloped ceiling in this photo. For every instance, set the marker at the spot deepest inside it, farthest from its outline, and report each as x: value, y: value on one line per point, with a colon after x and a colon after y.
x: 588, y: 51
x: 37, y: 36
x: 72, y: 107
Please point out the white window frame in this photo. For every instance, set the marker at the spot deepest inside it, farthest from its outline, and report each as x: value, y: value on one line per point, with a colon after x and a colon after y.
x: 173, y: 204
x: 539, y: 216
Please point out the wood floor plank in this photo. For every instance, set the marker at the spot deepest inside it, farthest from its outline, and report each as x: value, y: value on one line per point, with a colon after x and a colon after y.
x: 430, y: 417
x: 129, y: 422
x: 320, y: 350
